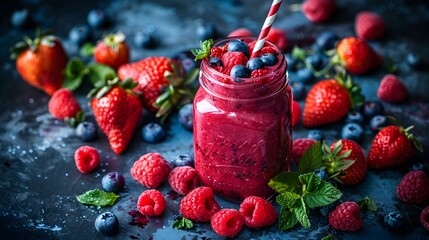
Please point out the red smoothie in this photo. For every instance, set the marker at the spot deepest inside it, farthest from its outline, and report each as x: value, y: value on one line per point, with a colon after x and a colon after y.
x: 242, y: 129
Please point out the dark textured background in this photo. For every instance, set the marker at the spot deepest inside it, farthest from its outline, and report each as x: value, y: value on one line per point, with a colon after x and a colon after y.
x: 39, y: 180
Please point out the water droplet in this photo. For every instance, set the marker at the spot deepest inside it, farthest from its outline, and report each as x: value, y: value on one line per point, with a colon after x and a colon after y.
x: 31, y: 100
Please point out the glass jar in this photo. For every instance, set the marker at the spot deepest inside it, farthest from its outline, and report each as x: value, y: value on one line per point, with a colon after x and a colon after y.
x: 242, y: 129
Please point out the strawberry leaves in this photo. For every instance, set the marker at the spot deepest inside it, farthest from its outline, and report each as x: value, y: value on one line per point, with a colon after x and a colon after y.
x: 204, y: 51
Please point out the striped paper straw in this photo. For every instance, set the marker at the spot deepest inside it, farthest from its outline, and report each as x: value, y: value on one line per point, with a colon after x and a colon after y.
x: 266, y: 27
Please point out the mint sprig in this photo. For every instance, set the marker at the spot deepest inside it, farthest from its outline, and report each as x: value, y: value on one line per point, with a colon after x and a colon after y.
x: 97, y: 197
x: 368, y: 204
x: 183, y: 223
x: 204, y: 51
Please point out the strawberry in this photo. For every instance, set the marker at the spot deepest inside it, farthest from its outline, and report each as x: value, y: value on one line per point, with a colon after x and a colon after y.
x: 413, y: 187
x: 117, y: 111
x: 278, y: 37
x: 392, y: 146
x: 346, y: 217
x: 112, y: 51
x: 64, y: 106
x: 41, y: 62
x: 241, y: 32
x: 356, y: 55
x: 318, y: 10
x: 330, y: 100
x: 392, y: 89
x: 369, y: 25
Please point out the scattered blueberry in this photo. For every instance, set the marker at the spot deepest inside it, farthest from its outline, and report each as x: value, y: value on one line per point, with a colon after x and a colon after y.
x: 254, y: 64
x: 148, y: 38
x: 238, y: 46
x: 107, y: 223
x: 326, y: 41
x: 214, y: 61
x: 316, y: 135
x: 291, y: 62
x: 186, y: 116
x: 86, y: 131
x: 113, y: 182
x: 97, y: 18
x: 239, y: 71
x: 183, y: 160
x: 304, y: 75
x: 378, y: 122
x: 269, y: 59
x: 21, y: 18
x: 316, y: 60
x: 186, y: 59
x: 206, y: 31
x: 372, y: 108
x: 322, y: 174
x: 298, y: 90
x: 153, y: 133
x: 80, y: 34
x: 355, y: 117
x: 352, y: 131
x: 415, y: 61
x: 394, y: 222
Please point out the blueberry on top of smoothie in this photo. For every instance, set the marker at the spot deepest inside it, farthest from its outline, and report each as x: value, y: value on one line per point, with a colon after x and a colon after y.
x: 239, y: 46
x: 240, y: 71
x: 254, y: 64
x: 269, y: 59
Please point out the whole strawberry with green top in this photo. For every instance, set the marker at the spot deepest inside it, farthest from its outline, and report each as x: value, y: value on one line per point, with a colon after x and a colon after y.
x: 392, y: 146
x: 330, y: 100
x: 41, y: 62
x: 117, y: 111
x: 112, y: 51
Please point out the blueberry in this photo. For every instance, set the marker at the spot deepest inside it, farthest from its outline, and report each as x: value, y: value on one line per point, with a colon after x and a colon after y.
x: 186, y: 116
x: 254, y: 64
x: 97, y: 18
x: 355, y: 117
x: 86, y: 131
x: 291, y: 62
x: 148, y: 38
x: 153, y: 133
x: 316, y: 60
x: 214, y: 61
x: 113, y: 182
x: 316, y: 135
x: 206, y: 31
x: 326, y: 41
x: 80, y: 34
x: 186, y: 60
x: 304, y: 75
x: 21, y: 18
x: 415, y: 61
x: 377, y: 122
x: 352, y: 131
x: 238, y: 46
x: 269, y: 59
x: 183, y: 160
x: 107, y: 223
x: 239, y: 71
x: 322, y: 174
x: 372, y: 108
x: 394, y: 222
x: 298, y: 90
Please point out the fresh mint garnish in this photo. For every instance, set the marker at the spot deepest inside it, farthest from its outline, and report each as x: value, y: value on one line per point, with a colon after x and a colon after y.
x: 183, y: 223
x: 368, y: 204
x: 97, y: 197
x: 204, y: 51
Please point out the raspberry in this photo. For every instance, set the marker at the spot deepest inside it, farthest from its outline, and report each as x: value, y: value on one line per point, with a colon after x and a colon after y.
x: 150, y: 170
x: 199, y: 205
x: 241, y: 32
x: 227, y: 222
x: 414, y: 187
x: 257, y: 212
x: 63, y: 104
x: 230, y: 59
x: 151, y: 203
x: 183, y: 179
x: 296, y: 113
x: 392, y: 89
x: 278, y: 37
x: 259, y: 72
x: 346, y: 217
x: 299, y: 146
x: 268, y: 49
x: 318, y: 10
x: 369, y: 25
x: 424, y: 218
x: 86, y: 159
x: 216, y: 52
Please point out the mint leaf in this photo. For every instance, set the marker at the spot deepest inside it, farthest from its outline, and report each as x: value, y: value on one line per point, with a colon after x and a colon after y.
x: 204, y: 51
x: 312, y: 159
x: 97, y: 197
x: 285, y: 182
x: 74, y: 72
x: 288, y: 199
x: 324, y: 195
x: 368, y: 204
x: 329, y: 237
x: 99, y: 74
x: 301, y: 213
x: 287, y: 219
x: 183, y: 223
x: 87, y: 49
x: 310, y: 181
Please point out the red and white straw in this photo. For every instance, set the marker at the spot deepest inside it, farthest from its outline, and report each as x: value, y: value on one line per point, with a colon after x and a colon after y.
x: 266, y: 27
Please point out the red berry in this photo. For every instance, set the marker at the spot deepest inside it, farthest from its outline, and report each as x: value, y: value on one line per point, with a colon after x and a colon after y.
x: 424, y: 218
x: 199, y: 205
x: 257, y: 212
x: 151, y: 203
x: 230, y: 59
x: 414, y: 187
x: 318, y: 10
x: 392, y: 89
x: 346, y: 217
x: 241, y: 32
x: 369, y: 25
x: 259, y: 73
x: 183, y: 179
x: 227, y: 222
x: 86, y: 159
x: 278, y: 37
x: 217, y: 52
x: 299, y: 146
x: 150, y: 170
x: 63, y: 104
x: 296, y: 113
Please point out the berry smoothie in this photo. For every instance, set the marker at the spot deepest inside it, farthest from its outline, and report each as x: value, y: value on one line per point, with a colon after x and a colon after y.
x: 242, y: 128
